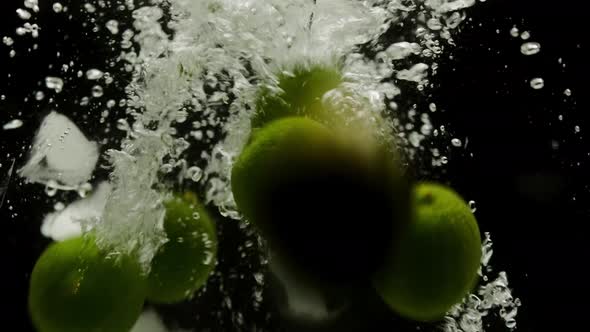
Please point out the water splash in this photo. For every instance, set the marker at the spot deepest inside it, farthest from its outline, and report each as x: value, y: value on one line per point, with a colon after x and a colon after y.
x: 491, y: 296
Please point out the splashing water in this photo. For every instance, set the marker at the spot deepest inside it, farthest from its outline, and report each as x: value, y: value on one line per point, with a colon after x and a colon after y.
x: 469, y: 315
x: 199, y: 65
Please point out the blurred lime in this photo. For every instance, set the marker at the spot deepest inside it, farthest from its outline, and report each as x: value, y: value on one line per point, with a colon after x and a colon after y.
x: 76, y: 287
x: 300, y: 94
x: 320, y: 198
x: 183, y: 264
x: 436, y: 261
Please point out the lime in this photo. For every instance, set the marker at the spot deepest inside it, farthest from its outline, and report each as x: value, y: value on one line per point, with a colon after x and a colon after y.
x: 436, y: 260
x: 75, y: 287
x: 183, y: 264
x: 321, y: 199
x: 300, y: 94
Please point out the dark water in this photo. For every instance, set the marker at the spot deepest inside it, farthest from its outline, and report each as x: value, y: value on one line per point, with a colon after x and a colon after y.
x: 528, y: 174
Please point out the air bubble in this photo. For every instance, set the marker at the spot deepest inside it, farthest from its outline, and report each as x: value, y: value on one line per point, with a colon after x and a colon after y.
x: 472, y: 206
x: 530, y: 48
x: 84, y: 189
x: 58, y: 7
x: 14, y: 124
x: 456, y: 142
x: 23, y: 14
x: 51, y: 188
x: 537, y: 83
x: 194, y: 173
x: 54, y: 83
x: 97, y: 91
x: 94, y: 74
x: 432, y: 107
x: 113, y: 26
x: 59, y: 206
x: 166, y: 168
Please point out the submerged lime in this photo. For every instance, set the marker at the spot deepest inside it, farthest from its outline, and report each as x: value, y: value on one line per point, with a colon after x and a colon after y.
x: 321, y: 199
x: 75, y: 287
x: 436, y: 260
x: 300, y: 93
x: 184, y: 263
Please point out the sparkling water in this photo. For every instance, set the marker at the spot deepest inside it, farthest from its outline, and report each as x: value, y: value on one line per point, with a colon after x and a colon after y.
x: 195, y: 68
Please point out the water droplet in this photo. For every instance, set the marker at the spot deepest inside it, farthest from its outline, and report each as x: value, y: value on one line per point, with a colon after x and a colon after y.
x: 93, y: 74
x: 537, y: 83
x: 456, y: 142
x: 530, y: 48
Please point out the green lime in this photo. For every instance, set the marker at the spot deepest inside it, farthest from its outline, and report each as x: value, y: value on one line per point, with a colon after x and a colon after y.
x: 321, y: 199
x: 75, y: 287
x: 436, y: 260
x: 184, y: 263
x: 300, y: 94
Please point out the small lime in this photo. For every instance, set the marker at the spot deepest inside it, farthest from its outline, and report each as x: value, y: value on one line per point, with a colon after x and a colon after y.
x: 300, y: 94
x: 436, y: 260
x: 75, y: 287
x: 184, y: 263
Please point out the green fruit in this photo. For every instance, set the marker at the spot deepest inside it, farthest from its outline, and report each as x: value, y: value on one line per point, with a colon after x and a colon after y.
x: 184, y: 263
x: 321, y: 199
x: 75, y: 287
x: 300, y: 94
x: 436, y: 260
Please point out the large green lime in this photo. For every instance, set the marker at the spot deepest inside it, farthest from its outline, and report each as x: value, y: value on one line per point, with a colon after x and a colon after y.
x: 75, y: 287
x: 436, y: 260
x: 329, y: 203
x: 184, y: 263
x: 299, y: 93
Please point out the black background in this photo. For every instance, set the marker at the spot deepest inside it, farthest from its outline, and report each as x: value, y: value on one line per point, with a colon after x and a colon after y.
x: 532, y: 196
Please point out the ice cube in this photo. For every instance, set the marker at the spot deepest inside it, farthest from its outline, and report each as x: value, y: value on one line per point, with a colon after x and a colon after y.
x: 61, y: 153
x: 68, y: 222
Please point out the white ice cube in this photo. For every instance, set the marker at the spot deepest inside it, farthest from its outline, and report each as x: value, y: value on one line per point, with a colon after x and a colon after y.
x: 61, y: 154
x: 66, y: 223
